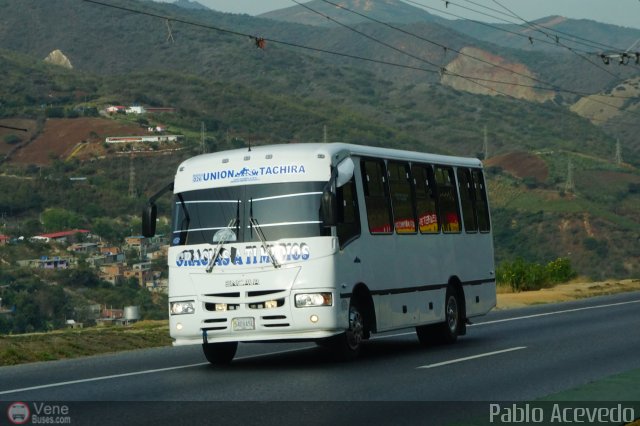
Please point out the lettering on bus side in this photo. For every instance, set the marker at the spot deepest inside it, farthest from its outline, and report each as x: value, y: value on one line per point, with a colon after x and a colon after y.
x: 248, y: 255
x: 247, y: 174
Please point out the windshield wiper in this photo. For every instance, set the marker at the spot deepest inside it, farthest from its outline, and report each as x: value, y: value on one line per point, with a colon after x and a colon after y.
x: 225, y: 234
x: 260, y: 234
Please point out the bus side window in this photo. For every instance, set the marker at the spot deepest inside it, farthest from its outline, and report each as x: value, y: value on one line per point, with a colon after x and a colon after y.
x: 376, y: 196
x: 401, y: 200
x: 426, y: 198
x: 348, y: 227
x: 447, y: 199
x: 482, y: 206
x: 467, y: 200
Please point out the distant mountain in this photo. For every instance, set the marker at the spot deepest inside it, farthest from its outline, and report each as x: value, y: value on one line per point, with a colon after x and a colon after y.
x: 390, y: 11
x: 187, y: 4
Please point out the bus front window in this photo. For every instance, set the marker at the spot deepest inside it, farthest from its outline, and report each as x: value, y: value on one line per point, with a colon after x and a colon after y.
x: 284, y: 210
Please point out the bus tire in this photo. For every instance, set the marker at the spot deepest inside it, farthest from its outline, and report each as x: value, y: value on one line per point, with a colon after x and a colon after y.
x: 448, y: 331
x: 450, y: 328
x: 220, y: 353
x: 347, y: 346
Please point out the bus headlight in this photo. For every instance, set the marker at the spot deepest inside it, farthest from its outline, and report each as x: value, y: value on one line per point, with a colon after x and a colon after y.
x: 313, y: 299
x: 181, y: 308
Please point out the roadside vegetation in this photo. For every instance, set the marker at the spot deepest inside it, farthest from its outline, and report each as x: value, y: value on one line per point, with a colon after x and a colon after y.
x: 74, y: 343
x: 520, y: 275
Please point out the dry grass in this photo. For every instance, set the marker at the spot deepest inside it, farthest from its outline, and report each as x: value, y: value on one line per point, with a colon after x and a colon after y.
x: 564, y: 292
x: 60, y: 344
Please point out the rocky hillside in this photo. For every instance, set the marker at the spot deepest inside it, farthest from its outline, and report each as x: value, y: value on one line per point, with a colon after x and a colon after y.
x: 515, y: 78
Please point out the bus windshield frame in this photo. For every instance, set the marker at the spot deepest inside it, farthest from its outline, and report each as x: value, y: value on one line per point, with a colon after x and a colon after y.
x: 281, y: 210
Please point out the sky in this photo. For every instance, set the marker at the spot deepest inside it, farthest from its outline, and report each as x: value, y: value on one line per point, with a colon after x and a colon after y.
x: 624, y: 13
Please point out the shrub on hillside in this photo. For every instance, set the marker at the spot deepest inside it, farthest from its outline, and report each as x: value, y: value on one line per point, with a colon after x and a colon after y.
x: 521, y: 275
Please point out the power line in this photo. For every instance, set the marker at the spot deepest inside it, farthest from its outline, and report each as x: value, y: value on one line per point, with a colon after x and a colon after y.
x: 260, y: 42
x: 590, y: 43
x: 259, y: 39
x: 443, y: 70
x: 530, y: 39
x: 435, y: 43
x: 475, y: 80
x: 557, y: 39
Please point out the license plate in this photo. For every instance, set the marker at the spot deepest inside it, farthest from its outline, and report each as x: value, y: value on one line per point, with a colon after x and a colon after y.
x: 241, y: 324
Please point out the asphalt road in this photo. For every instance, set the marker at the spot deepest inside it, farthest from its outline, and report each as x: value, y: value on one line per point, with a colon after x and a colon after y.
x: 515, y: 355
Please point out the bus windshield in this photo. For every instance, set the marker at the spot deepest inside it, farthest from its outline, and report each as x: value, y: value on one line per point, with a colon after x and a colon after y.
x: 284, y: 210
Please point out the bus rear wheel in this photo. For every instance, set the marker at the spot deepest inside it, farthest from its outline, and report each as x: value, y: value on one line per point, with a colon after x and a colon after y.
x: 449, y: 330
x: 220, y: 353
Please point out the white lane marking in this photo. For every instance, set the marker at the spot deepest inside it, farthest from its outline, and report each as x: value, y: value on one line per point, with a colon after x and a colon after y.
x: 453, y: 361
x: 95, y: 379
x: 566, y: 311
x: 137, y: 373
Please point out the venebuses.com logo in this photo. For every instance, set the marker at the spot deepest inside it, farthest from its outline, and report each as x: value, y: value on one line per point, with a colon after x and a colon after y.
x: 18, y: 413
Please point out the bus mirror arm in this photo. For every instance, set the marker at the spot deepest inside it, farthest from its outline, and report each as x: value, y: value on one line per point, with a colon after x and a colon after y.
x: 150, y: 212
x: 329, y: 208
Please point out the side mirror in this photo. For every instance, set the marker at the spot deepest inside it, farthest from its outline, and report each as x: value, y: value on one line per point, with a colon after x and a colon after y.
x: 149, y: 215
x: 329, y: 208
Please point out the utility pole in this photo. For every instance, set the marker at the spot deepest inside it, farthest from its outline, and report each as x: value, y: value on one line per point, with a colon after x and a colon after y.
x: 485, y: 144
x: 202, y: 137
x: 324, y: 133
x: 618, y: 152
x: 569, y: 185
x: 132, y: 178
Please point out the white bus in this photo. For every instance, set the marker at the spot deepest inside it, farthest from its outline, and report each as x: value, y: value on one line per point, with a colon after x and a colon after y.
x: 325, y: 242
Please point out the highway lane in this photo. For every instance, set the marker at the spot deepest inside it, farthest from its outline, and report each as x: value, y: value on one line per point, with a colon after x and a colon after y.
x: 513, y: 355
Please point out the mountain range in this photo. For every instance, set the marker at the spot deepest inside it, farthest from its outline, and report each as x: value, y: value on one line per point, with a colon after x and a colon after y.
x: 557, y: 127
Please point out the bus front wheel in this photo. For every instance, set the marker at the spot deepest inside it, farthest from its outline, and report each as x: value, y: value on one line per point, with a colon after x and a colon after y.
x: 220, y: 353
x: 347, y: 346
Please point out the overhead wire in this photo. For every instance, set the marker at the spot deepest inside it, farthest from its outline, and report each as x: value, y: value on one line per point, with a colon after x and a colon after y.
x: 438, y: 44
x: 557, y: 39
x: 589, y: 43
x: 474, y: 80
x: 443, y: 70
x: 530, y: 39
x: 257, y: 39
x: 468, y: 78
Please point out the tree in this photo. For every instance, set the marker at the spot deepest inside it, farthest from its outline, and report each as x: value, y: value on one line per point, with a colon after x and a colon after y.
x: 56, y: 219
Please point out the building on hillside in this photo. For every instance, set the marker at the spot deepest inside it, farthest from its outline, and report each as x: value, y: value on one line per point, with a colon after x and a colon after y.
x: 112, y: 273
x: 141, y: 272
x: 4, y: 239
x: 105, y: 259
x: 136, y: 109
x: 46, y: 262
x: 62, y: 236
x: 109, y: 316
x: 87, y: 248
x: 135, y: 241
x: 109, y: 250
x: 114, y: 109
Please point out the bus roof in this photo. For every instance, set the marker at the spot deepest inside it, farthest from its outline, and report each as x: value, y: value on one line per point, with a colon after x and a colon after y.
x: 305, y: 161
